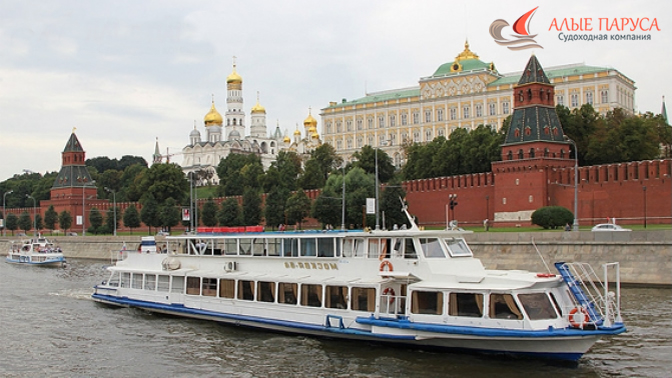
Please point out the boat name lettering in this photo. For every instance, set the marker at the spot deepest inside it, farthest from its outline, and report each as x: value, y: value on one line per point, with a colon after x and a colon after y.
x: 311, y: 265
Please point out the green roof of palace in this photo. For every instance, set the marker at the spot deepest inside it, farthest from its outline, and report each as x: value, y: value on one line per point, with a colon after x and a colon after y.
x: 467, y: 65
x: 551, y: 73
x: 381, y: 96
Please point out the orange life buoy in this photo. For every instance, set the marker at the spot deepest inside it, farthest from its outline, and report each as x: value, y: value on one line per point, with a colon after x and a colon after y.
x: 390, y: 291
x: 578, y: 322
x: 387, y: 264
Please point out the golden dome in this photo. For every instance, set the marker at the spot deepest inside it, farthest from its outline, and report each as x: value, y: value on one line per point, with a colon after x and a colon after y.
x: 286, y: 139
x: 310, y: 121
x: 297, y: 132
x: 234, y: 77
x: 315, y: 135
x: 213, y: 117
x: 258, y: 108
x: 466, y: 54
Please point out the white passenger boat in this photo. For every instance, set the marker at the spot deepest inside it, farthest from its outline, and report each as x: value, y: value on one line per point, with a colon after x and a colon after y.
x: 409, y: 287
x: 35, y: 251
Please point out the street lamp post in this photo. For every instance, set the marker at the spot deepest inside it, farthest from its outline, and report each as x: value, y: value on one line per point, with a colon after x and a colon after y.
x: 114, y: 199
x: 4, y: 212
x: 575, y: 225
x: 34, y: 214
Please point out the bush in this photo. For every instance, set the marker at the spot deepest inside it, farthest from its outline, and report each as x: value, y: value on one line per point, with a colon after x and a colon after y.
x: 552, y: 217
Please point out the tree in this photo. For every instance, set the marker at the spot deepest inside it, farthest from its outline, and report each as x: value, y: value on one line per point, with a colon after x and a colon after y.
x: 552, y: 217
x: 96, y: 221
x: 25, y: 221
x: 65, y: 220
x: 229, y: 215
x: 391, y: 205
x: 209, y: 213
x: 298, y: 208
x: 323, y: 160
x: 110, y: 224
x: 327, y: 207
x: 251, y: 207
x: 163, y: 181
x: 50, y: 218
x: 366, y: 159
x: 274, y: 210
x: 12, y: 222
x: 39, y: 224
x: 149, y: 214
x: 131, y: 218
x: 170, y: 214
x: 230, y: 172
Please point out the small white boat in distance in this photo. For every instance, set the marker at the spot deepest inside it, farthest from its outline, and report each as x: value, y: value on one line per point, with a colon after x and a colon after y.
x: 410, y: 287
x: 35, y: 251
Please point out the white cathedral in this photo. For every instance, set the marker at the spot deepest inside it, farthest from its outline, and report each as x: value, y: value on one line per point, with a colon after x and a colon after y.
x: 220, y: 141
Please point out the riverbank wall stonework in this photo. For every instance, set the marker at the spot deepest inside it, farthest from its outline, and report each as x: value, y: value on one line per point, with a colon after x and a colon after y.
x: 645, y: 257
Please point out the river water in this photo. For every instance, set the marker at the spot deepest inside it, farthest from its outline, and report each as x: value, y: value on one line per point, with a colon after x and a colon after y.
x: 50, y: 328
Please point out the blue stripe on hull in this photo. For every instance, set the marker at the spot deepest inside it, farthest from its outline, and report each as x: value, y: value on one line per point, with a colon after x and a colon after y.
x: 325, y: 330
x: 50, y: 262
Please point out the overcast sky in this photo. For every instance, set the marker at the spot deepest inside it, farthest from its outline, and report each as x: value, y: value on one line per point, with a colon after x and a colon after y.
x: 126, y: 72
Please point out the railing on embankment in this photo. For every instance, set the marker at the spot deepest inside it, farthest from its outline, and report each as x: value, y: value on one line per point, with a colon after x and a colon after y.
x: 645, y: 257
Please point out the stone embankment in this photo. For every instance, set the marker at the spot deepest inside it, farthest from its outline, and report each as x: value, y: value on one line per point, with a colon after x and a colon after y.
x: 645, y: 257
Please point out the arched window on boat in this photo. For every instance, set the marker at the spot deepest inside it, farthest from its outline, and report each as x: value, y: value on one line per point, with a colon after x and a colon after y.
x: 465, y: 304
x: 503, y: 306
x: 266, y: 291
x: 311, y: 295
x: 427, y: 302
x: 363, y: 299
x: 246, y: 290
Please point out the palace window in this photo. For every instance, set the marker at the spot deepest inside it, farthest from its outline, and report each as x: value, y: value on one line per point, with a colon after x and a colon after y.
x: 404, y: 137
x: 505, y: 107
x: 560, y: 100
x: 416, y: 117
x: 381, y: 140
x: 428, y: 135
x: 441, y: 132
x: 349, y: 142
x: 359, y: 142
x: 453, y: 114
x: 381, y: 121
x: 416, y: 136
x: 479, y: 110
x: 339, y: 127
x: 370, y: 122
x: 404, y: 119
x: 428, y: 116
x: 574, y: 100
x: 466, y: 110
x: 589, y: 98
x: 339, y: 145
x: 393, y: 139
x: 348, y: 125
x: 493, y: 108
x: 605, y: 96
x: 439, y: 115
x: 359, y: 123
x: 328, y: 127
x: 370, y: 140
x: 393, y: 120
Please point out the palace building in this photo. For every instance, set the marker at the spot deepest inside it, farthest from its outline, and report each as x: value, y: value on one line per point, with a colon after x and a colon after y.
x: 464, y: 93
x: 204, y: 154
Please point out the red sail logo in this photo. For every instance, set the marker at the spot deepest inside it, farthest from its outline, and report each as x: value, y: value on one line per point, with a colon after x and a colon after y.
x: 522, y: 39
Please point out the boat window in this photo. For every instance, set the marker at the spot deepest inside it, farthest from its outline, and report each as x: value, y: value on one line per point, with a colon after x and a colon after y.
x: 457, y: 247
x: 150, y: 282
x: 290, y: 247
x: 273, y: 247
x: 503, y: 306
x: 227, y: 288
x: 311, y: 295
x: 209, y: 287
x: 287, y: 292
x: 114, y: 279
x: 163, y: 283
x: 230, y: 246
x: 178, y: 284
x: 465, y: 304
x: 336, y: 297
x: 258, y: 247
x: 374, y: 248
x: 136, y: 281
x: 398, y: 247
x: 427, y: 302
x: 308, y: 247
x: 193, y: 285
x: 266, y: 291
x: 431, y: 248
x: 325, y: 247
x: 245, y: 247
x: 246, y: 290
x: 409, y: 249
x: 363, y: 299
x: 537, y: 306
x: 555, y: 303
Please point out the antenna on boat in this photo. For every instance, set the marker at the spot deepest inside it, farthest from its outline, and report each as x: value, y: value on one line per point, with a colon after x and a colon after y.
x: 404, y: 208
x: 541, y: 257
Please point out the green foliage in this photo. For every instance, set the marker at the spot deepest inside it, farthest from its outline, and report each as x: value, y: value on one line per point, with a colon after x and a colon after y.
x: 12, y: 222
x: 209, y: 213
x: 229, y: 215
x: 391, y: 205
x: 149, y: 214
x: 170, y: 214
x: 237, y: 170
x: 358, y: 187
x: 50, y: 218
x: 366, y: 160
x: 163, y: 181
x: 274, y: 211
x: 103, y: 163
x: 39, y: 224
x: 251, y: 207
x: 110, y: 220
x: 95, y: 221
x: 327, y: 206
x: 25, y: 221
x: 323, y: 160
x: 297, y: 208
x: 131, y: 217
x: 552, y: 217
x: 65, y: 220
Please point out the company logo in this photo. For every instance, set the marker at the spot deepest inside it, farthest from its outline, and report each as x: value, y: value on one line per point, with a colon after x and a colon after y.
x: 522, y: 39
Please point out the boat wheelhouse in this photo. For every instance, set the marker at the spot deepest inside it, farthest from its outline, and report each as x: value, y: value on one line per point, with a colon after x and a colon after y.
x: 411, y: 287
x: 35, y: 251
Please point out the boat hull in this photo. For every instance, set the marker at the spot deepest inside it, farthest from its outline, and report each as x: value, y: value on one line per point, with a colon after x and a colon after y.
x: 42, y: 261
x: 567, y: 345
